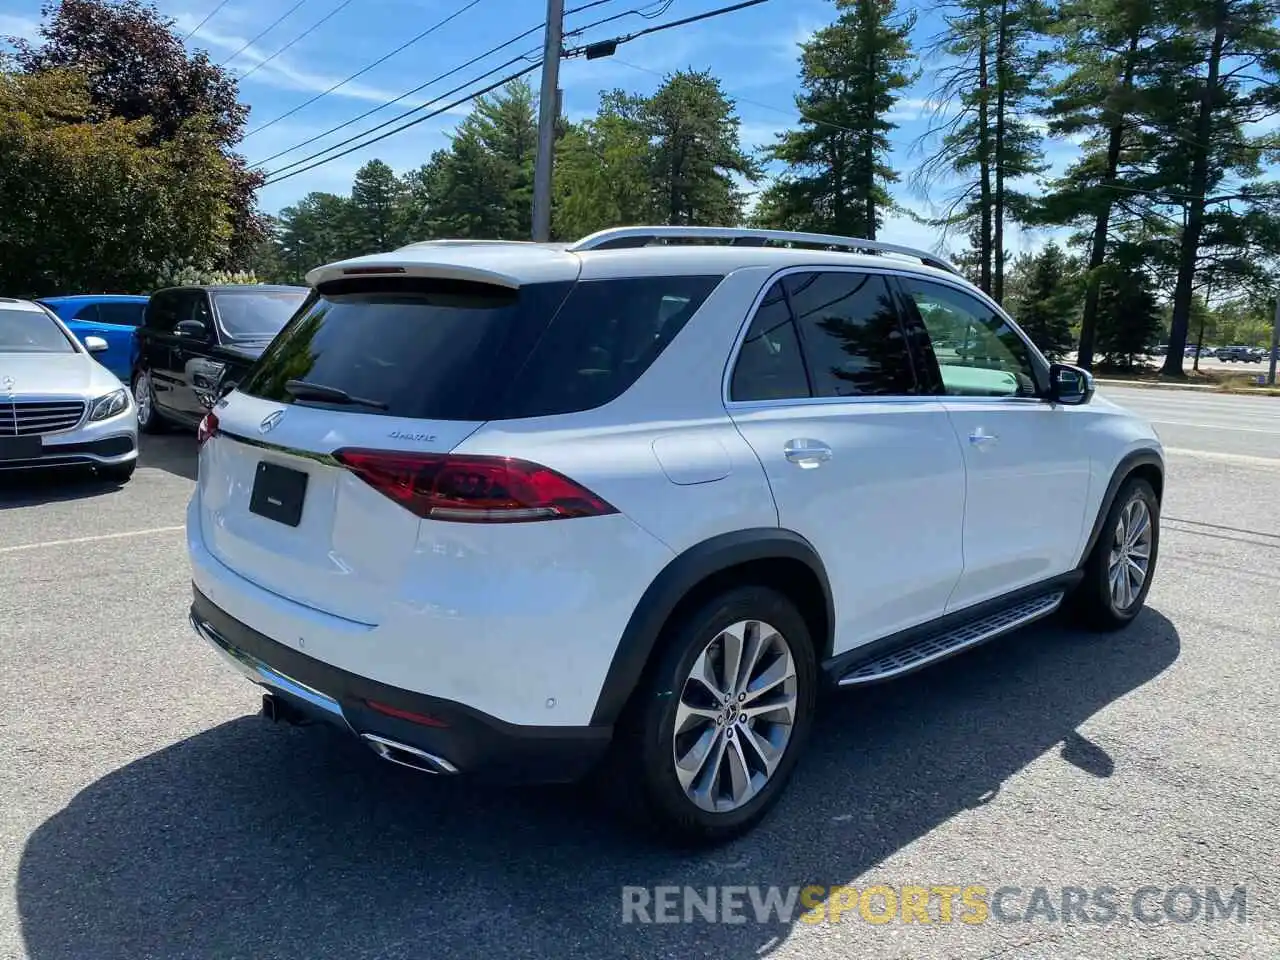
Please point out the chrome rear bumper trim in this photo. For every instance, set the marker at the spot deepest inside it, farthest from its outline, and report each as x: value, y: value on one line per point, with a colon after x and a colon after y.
x: 259, y: 672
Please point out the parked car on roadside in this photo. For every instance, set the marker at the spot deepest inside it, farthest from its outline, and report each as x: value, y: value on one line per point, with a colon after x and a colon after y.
x: 1237, y: 354
x: 195, y: 340
x: 521, y: 511
x: 111, y: 317
x: 59, y: 407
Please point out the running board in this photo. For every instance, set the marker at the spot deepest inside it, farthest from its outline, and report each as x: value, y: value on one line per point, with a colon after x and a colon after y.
x: 940, y: 645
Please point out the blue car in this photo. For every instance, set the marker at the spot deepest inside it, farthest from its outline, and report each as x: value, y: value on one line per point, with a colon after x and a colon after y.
x: 113, y: 317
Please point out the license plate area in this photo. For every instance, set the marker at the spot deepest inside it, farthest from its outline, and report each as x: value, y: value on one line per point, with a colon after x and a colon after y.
x: 278, y: 493
x: 21, y: 448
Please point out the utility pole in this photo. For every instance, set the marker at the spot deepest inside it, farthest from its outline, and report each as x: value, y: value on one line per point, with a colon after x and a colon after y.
x: 1275, y: 345
x: 548, y: 101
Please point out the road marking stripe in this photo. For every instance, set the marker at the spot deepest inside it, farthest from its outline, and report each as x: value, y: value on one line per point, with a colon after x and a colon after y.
x: 94, y: 539
x: 1215, y: 426
x: 1229, y: 457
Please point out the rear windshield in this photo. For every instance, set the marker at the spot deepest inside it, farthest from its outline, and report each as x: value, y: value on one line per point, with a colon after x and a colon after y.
x: 256, y: 314
x: 31, y: 331
x: 452, y: 350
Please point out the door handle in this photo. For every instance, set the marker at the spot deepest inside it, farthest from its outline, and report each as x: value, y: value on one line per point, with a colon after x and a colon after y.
x: 807, y: 453
x: 980, y: 438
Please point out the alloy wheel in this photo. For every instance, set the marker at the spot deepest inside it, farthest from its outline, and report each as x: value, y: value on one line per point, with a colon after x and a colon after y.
x: 1130, y: 558
x: 142, y: 398
x: 735, y: 716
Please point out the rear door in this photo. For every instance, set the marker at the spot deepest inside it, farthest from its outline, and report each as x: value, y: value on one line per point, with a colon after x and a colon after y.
x: 861, y: 464
x: 420, y: 362
x: 1026, y: 460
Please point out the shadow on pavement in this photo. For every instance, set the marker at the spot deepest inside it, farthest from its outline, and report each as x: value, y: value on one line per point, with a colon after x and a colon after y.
x: 174, y: 452
x: 251, y: 841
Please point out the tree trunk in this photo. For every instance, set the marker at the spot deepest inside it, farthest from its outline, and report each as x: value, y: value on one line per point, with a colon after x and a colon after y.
x: 997, y: 239
x: 1190, y: 244
x: 1102, y: 223
x: 984, y: 159
x: 870, y: 25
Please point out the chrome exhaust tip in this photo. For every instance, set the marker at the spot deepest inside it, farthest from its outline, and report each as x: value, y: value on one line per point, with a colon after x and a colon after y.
x: 407, y: 756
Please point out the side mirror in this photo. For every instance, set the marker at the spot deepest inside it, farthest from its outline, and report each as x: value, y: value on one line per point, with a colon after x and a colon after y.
x: 192, y: 329
x: 95, y: 344
x: 1070, y: 385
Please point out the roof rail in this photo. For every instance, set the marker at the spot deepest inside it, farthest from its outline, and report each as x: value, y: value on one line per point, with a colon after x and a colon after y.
x: 618, y: 238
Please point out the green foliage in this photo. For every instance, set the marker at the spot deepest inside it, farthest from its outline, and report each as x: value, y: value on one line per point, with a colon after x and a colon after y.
x: 602, y: 169
x: 837, y: 172
x: 91, y: 204
x: 137, y: 69
x: 1129, y: 316
x: 1046, y: 300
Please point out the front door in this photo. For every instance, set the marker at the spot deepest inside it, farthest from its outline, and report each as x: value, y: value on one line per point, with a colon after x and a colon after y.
x: 1026, y: 460
x: 192, y: 356
x: 861, y: 465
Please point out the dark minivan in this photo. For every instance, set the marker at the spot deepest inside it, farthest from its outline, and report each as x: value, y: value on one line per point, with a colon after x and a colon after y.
x: 195, y: 339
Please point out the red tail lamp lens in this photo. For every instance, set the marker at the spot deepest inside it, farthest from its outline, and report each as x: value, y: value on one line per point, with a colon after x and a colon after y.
x: 208, y: 428
x: 473, y: 489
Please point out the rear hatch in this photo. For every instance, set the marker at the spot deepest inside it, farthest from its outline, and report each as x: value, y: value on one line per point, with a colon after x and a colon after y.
x: 405, y: 366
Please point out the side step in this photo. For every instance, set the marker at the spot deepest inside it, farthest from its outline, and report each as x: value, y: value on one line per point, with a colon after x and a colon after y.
x: 937, y: 646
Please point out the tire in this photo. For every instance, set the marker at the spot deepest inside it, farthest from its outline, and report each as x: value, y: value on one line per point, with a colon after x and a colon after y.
x: 144, y: 398
x: 118, y: 472
x: 1097, y: 604
x: 643, y: 764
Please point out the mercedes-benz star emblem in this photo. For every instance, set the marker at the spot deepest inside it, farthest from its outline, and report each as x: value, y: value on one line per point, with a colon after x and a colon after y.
x: 8, y: 383
x: 269, y: 421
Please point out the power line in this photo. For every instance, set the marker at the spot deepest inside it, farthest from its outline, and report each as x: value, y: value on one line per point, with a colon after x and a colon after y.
x: 384, y: 58
x: 207, y: 17
x: 279, y: 20
x: 606, y: 47
x: 395, y: 119
x: 754, y: 103
x: 435, y: 113
x: 303, y: 35
x: 443, y: 76
x: 407, y: 93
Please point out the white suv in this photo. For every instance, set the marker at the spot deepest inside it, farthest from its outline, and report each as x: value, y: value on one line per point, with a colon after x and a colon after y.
x: 532, y: 511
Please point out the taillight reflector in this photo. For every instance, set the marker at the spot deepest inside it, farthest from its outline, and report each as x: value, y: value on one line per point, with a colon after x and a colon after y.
x: 425, y: 719
x: 208, y: 428
x: 472, y: 489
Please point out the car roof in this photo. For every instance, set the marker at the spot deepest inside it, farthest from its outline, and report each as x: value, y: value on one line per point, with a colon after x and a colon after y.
x: 234, y: 287
x: 9, y: 303
x: 96, y: 298
x: 515, y: 263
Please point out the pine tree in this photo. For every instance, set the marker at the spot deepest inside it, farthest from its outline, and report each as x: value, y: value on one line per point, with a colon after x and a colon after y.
x: 1046, y: 307
x: 377, y: 196
x: 983, y: 98
x: 837, y: 171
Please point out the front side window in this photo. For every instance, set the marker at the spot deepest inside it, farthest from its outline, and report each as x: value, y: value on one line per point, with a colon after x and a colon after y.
x: 852, y: 339
x: 88, y: 313
x: 120, y: 314
x: 978, y: 352
x: 162, y: 311
x: 31, y: 331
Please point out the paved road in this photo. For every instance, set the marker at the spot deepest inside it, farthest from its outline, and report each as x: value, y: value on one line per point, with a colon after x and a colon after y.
x: 145, y: 812
x: 1200, y: 421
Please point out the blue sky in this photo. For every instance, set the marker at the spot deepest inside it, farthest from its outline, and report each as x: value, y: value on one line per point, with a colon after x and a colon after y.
x: 753, y: 52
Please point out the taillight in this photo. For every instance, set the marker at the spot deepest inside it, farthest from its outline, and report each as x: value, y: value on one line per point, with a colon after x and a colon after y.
x: 208, y: 428
x: 472, y: 489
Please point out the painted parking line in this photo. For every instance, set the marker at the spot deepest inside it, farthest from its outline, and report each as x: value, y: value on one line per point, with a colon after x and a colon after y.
x: 40, y: 545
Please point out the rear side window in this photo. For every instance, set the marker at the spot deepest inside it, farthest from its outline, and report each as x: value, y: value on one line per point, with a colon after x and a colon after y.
x: 162, y: 311
x: 851, y: 335
x: 607, y: 333
x: 121, y: 314
x: 88, y: 313
x: 769, y: 365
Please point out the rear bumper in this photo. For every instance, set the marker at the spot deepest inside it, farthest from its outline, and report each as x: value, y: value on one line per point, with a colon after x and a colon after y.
x: 454, y: 738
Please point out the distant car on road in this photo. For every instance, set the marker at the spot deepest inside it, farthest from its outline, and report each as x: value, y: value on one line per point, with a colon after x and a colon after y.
x: 1238, y: 354
x: 58, y: 405
x: 195, y: 339
x: 112, y: 317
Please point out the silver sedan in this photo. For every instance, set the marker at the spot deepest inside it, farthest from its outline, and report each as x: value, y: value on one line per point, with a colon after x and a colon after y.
x: 58, y: 405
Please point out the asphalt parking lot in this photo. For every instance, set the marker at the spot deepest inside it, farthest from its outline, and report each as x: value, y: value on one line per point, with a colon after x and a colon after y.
x: 146, y: 811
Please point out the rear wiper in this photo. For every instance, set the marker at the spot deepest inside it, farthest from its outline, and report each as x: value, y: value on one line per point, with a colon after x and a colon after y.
x: 304, y: 390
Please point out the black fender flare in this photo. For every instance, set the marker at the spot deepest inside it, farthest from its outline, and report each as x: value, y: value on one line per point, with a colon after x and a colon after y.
x: 1128, y: 463
x: 673, y: 584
